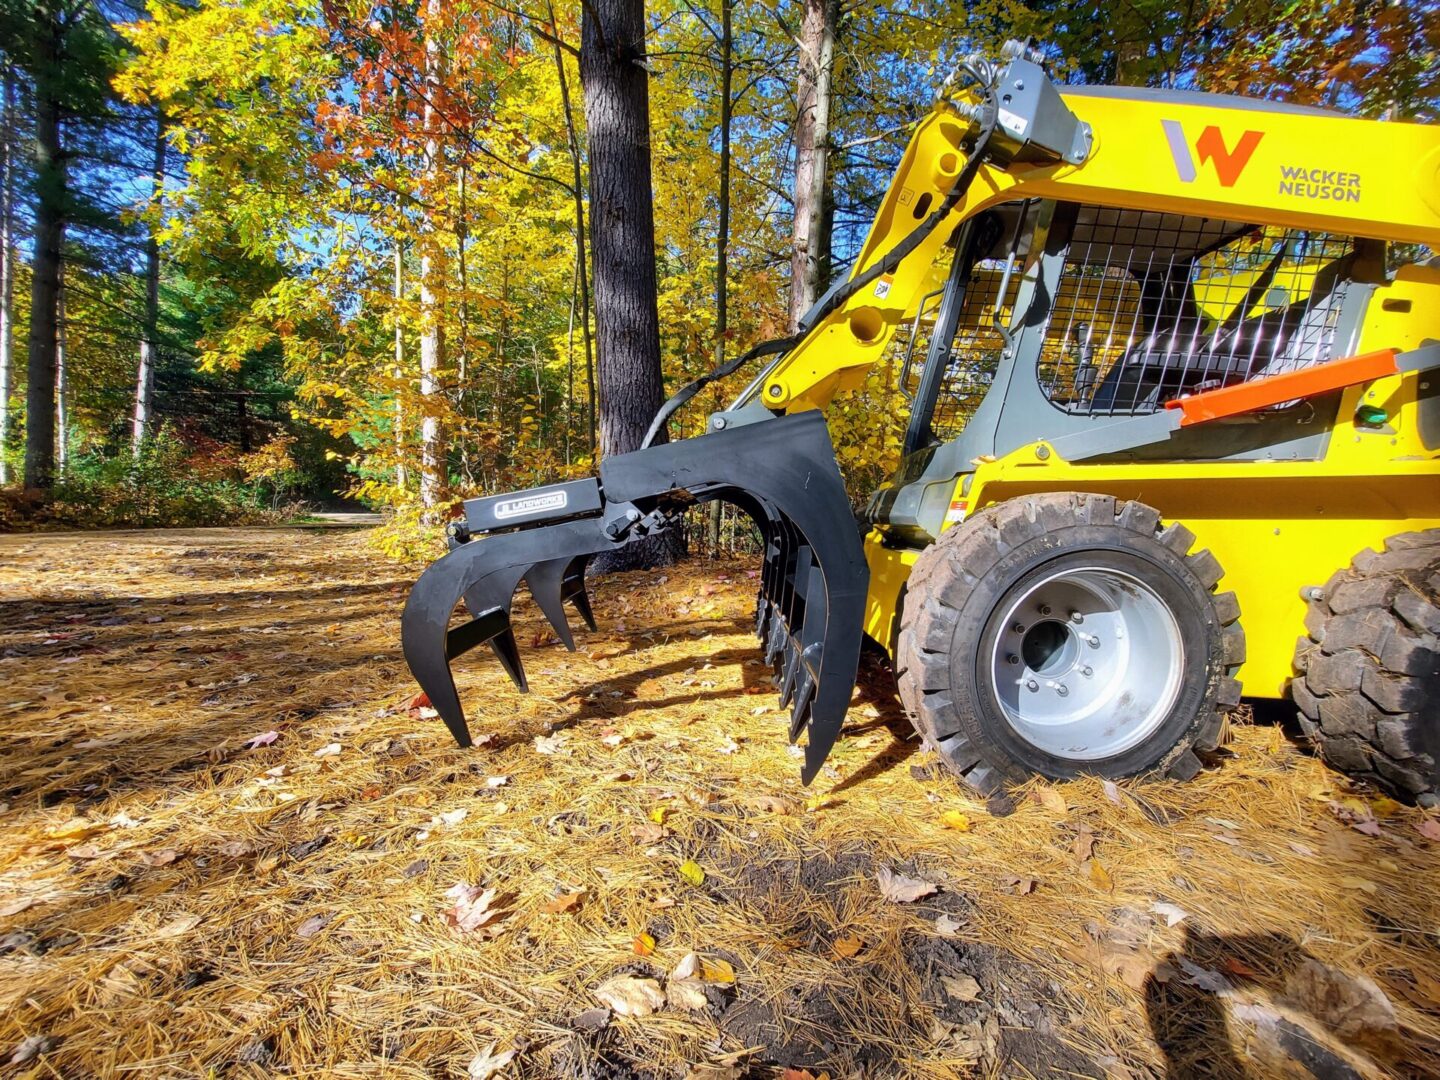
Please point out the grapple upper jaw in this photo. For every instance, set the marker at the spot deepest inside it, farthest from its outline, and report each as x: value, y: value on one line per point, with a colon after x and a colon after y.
x: 781, y: 472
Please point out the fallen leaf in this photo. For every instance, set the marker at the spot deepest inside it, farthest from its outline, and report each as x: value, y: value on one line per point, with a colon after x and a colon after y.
x: 1241, y: 970
x: 1429, y: 829
x: 1020, y: 886
x: 453, y: 817
x: 1302, y: 849
x: 962, y: 988
x: 234, y: 849
x: 329, y: 750
x: 629, y: 996
x: 1368, y: 826
x: 31, y: 1047
x: 1211, y: 981
x: 947, y: 925
x: 472, y: 910
x: 899, y: 889
x: 549, y: 744
x: 690, y: 870
x: 162, y: 857
x: 16, y: 906
x: 591, y: 1019
x: 1112, y: 792
x: 846, y: 947
x: 1172, y: 913
x: 612, y: 741
x: 419, y: 701
x: 642, y: 945
x: 77, y: 828
x: 1098, y: 875
x: 685, y: 994
x: 647, y: 832
x: 1353, y: 1007
x: 314, y: 924
x: 1358, y: 883
x: 1133, y: 966
x: 954, y: 819
x: 487, y: 1063
x: 265, y: 738
x: 716, y: 972
x: 181, y: 924
x: 496, y: 781
x: 85, y: 851
x: 1049, y: 798
x: 659, y: 814
x: 566, y: 901
x: 1084, y: 844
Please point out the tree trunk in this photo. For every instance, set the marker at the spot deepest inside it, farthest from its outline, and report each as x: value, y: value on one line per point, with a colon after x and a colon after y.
x: 812, y: 136
x: 7, y: 268
x: 582, y: 268
x: 722, y: 232
x: 51, y: 205
x: 62, y: 386
x: 432, y: 269
x: 622, y: 238
x: 399, y: 370
x: 145, y: 370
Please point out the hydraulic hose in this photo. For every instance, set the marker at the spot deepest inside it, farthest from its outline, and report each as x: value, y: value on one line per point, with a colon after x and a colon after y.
x: 887, y: 264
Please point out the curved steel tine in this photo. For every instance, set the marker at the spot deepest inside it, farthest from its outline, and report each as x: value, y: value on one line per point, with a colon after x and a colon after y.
x: 572, y: 588
x: 547, y: 581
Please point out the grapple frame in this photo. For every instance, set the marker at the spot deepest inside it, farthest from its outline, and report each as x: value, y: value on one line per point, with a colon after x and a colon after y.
x: 779, y: 471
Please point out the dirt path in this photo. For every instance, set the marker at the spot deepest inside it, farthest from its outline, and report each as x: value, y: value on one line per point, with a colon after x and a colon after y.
x: 176, y: 901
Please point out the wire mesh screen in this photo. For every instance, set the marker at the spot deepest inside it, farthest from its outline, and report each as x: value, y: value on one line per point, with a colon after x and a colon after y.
x: 974, y: 354
x: 1151, y: 306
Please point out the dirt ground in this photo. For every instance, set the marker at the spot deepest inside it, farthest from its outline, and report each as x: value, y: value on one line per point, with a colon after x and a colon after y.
x: 234, y: 846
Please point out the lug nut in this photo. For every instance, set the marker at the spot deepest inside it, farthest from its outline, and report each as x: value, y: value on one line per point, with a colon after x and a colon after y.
x: 1091, y: 640
x: 1012, y: 659
x: 1032, y: 685
x: 1018, y: 628
x: 1061, y: 689
x: 1044, y: 609
x: 1076, y: 618
x: 1087, y: 671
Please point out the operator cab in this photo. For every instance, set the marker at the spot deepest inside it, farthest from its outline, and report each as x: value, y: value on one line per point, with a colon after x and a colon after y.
x: 1049, y: 319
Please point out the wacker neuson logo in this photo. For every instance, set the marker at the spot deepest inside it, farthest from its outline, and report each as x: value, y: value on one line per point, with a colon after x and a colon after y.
x: 531, y: 504
x: 1297, y: 181
x: 1210, y: 147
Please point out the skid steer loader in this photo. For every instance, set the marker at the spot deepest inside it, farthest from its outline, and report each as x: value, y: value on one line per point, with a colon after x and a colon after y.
x: 1171, y: 361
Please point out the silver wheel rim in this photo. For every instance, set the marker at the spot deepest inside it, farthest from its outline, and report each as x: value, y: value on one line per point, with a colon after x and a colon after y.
x: 1087, y: 663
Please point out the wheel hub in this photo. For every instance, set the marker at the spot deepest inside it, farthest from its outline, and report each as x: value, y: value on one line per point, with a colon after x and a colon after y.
x: 1088, y: 662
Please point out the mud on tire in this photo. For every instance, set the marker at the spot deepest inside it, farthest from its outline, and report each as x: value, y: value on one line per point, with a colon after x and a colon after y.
x: 1367, y: 682
x: 961, y: 581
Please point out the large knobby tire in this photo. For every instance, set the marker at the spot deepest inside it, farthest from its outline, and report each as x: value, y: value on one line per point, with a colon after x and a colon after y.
x: 1368, y: 673
x: 1003, y: 680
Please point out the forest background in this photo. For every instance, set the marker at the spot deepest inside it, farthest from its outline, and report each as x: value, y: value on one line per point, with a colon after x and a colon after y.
x: 260, y: 253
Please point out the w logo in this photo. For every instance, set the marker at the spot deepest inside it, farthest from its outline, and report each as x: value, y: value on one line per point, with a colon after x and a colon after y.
x: 1210, y: 146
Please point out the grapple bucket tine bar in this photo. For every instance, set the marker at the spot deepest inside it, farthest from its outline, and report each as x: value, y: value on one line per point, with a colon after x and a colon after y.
x: 547, y: 586
x: 572, y: 588
x: 789, y: 464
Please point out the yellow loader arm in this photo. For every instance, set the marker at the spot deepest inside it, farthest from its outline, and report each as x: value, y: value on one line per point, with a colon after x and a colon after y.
x: 1198, y: 154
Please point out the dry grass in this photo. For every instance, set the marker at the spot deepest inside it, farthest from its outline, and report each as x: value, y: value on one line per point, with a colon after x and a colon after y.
x: 190, y: 913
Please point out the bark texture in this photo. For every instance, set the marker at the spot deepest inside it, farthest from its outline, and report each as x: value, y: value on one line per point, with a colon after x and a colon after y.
x: 145, y: 369
x: 622, y: 235
x: 7, y: 269
x: 812, y: 137
x: 432, y: 262
x: 51, y: 206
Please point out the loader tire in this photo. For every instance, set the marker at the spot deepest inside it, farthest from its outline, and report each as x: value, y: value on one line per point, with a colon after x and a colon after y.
x: 1367, y: 683
x: 989, y: 637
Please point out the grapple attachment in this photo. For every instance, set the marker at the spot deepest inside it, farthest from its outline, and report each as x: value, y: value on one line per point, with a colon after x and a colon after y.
x: 780, y: 472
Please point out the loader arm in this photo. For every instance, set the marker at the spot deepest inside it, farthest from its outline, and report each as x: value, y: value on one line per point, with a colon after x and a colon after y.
x: 1197, y: 154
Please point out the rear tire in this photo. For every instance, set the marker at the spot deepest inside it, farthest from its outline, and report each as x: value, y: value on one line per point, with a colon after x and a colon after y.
x: 1367, y: 681
x: 1002, y: 679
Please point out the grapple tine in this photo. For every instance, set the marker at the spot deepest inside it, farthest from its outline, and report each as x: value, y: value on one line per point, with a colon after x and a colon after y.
x: 508, y: 653
x: 547, y: 584
x: 572, y: 588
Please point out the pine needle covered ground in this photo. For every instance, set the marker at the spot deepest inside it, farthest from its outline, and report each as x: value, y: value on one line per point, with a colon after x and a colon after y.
x: 232, y: 847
